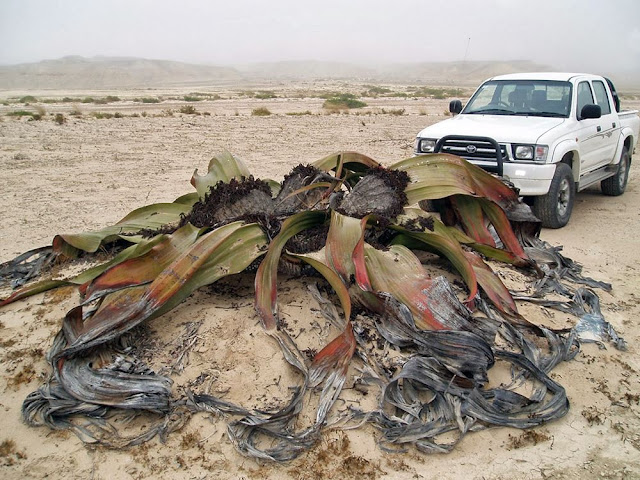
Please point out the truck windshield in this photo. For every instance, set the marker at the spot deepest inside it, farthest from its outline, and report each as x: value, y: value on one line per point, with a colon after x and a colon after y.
x: 537, y: 98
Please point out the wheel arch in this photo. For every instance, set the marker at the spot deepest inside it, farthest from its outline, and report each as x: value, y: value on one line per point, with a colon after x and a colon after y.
x: 567, y: 152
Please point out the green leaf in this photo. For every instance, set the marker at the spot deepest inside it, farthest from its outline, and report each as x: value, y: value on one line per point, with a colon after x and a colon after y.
x: 33, y: 289
x: 492, y: 285
x: 472, y: 219
x: 151, y: 216
x: 222, y: 168
x: 342, y: 162
x: 440, y: 175
x: 86, y: 276
x: 266, y: 277
x: 399, y: 273
x: 332, y: 277
x: 224, y: 251
x: 144, y: 268
x: 344, y: 234
x: 444, y: 244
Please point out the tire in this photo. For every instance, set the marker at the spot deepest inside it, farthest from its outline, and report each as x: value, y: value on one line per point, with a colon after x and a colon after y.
x: 616, y: 185
x: 554, y: 208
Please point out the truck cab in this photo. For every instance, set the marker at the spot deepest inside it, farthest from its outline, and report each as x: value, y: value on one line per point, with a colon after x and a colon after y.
x: 550, y: 134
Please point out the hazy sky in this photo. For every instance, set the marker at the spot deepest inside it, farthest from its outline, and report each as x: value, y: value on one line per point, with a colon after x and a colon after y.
x: 593, y: 35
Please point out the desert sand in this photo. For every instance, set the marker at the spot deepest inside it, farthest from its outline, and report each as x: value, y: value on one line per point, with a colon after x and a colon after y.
x: 89, y: 172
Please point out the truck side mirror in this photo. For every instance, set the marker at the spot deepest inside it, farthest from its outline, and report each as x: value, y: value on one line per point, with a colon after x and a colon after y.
x: 590, y: 111
x: 455, y: 106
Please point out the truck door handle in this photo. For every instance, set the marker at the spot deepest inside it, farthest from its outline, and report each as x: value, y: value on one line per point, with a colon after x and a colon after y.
x: 599, y: 128
x: 613, y: 124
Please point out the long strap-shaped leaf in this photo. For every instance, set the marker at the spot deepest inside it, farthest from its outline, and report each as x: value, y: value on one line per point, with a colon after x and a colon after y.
x: 266, y: 278
x: 330, y: 364
x: 83, y: 279
x: 472, y: 219
x: 440, y: 175
x: 492, y: 285
x: 444, y: 244
x: 399, y: 273
x: 150, y: 217
x: 145, y: 268
x: 222, y: 168
x: 341, y: 161
x: 343, y: 237
x: 224, y: 251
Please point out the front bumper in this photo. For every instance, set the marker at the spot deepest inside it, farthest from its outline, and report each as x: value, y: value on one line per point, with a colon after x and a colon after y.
x: 531, y: 179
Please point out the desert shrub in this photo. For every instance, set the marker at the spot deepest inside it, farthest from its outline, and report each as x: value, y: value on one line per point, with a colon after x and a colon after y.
x: 206, y: 114
x: 113, y: 98
x: 260, y: 112
x: 50, y: 100
x: 393, y: 111
x: 28, y: 99
x: 147, y: 100
x: 189, y: 110
x: 60, y: 119
x: 20, y: 113
x: 118, y: 115
x: 88, y: 100
x: 135, y: 115
x: 264, y: 94
x: 71, y: 100
x: 306, y: 112
x: 102, y: 115
x: 374, y: 91
x: 76, y: 112
x: 326, y: 95
x: 25, y: 113
x: 344, y: 101
x: 438, y: 93
x: 191, y: 98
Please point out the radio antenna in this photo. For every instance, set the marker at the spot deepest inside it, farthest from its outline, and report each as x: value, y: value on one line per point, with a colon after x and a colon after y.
x: 466, y: 51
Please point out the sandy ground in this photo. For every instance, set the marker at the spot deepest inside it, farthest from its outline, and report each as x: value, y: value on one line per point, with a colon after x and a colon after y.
x: 89, y: 172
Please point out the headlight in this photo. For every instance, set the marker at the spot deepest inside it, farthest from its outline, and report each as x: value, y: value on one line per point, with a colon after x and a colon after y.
x: 537, y: 153
x: 426, y: 145
x: 524, y: 152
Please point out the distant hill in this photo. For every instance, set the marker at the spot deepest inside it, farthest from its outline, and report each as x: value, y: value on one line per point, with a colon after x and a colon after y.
x: 457, y: 73
x: 75, y: 72
x: 110, y: 72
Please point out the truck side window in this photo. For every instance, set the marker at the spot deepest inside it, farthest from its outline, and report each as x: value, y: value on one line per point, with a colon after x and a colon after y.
x: 585, y: 97
x: 601, y: 97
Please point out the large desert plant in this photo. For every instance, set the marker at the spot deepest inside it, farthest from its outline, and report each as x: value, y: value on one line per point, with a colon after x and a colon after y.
x: 350, y: 220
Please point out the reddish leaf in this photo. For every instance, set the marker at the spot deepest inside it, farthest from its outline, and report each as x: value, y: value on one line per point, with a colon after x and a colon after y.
x: 266, y: 277
x: 492, y: 285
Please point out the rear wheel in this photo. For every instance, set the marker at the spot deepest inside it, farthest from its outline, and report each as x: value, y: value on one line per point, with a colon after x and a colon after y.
x: 554, y: 208
x: 617, y: 184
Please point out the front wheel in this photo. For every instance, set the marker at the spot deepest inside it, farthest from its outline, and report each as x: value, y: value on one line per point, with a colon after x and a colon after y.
x: 617, y: 184
x: 554, y: 208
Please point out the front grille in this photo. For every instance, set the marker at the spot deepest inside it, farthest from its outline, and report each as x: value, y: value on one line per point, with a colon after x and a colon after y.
x: 479, y: 151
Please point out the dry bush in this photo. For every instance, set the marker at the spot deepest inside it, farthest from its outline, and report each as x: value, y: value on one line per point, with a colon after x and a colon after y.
x: 260, y: 112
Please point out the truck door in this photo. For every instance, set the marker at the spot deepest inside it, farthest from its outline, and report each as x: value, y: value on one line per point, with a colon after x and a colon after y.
x: 609, y: 122
x: 589, y: 134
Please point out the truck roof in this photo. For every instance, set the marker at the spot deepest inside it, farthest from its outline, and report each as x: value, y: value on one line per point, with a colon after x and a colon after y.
x: 558, y: 76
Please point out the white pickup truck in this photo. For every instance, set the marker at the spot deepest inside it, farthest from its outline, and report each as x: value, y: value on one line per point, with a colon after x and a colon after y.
x: 550, y: 134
